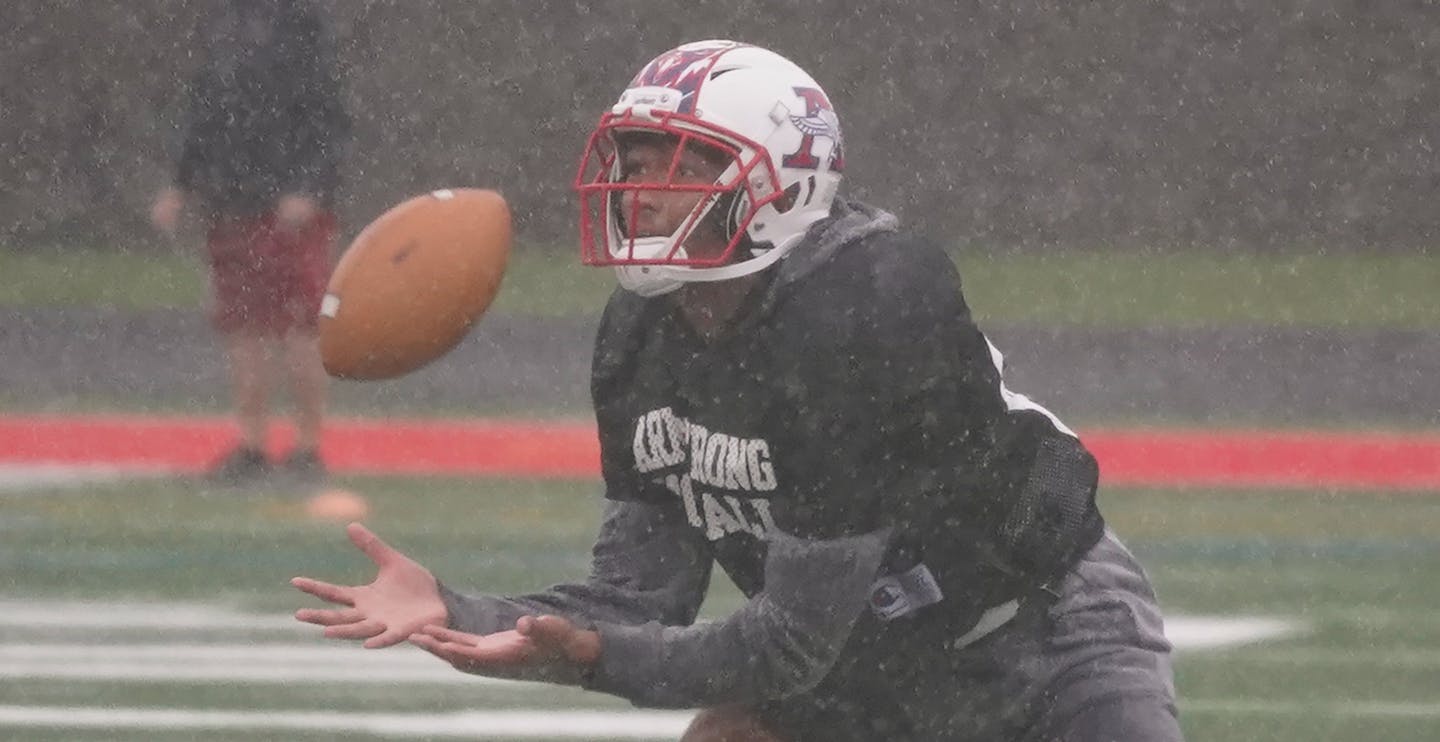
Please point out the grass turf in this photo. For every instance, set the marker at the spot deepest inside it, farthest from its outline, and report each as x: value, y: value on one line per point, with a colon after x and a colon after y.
x: 1092, y: 288
x: 1352, y: 566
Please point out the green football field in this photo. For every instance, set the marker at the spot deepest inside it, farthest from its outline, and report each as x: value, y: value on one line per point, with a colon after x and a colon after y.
x: 151, y: 610
x: 1100, y: 288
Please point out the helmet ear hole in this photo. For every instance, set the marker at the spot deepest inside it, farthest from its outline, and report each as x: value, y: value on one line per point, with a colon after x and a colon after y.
x: 788, y: 199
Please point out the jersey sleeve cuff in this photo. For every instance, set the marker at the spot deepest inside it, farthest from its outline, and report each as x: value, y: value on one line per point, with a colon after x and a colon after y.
x: 630, y: 664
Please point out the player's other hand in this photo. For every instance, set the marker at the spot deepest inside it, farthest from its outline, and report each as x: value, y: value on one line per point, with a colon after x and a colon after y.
x: 547, y: 647
x: 403, y: 598
x: 294, y: 211
x: 165, y: 211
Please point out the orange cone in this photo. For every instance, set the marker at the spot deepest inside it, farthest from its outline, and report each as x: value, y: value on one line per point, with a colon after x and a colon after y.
x: 335, y: 504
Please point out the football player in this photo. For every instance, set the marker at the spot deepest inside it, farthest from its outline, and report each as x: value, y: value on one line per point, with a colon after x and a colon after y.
x: 789, y: 385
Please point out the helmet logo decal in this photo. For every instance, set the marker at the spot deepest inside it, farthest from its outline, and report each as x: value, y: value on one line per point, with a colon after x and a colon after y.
x: 819, y: 121
x: 683, y: 69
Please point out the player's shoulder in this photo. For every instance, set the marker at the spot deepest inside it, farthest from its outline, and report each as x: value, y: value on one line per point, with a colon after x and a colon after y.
x: 886, y: 263
x: 914, y: 262
x: 884, y: 276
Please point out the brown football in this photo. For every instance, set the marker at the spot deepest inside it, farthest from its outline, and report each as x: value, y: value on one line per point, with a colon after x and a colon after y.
x: 413, y: 282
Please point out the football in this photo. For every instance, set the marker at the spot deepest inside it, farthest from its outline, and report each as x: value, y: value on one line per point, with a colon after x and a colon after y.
x: 413, y: 283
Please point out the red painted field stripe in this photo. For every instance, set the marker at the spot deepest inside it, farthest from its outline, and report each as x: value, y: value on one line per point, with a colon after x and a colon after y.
x: 1158, y: 458
x: 1267, y: 459
x: 497, y: 448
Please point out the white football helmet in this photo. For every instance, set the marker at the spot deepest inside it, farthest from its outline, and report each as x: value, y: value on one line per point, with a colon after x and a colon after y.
x: 768, y: 116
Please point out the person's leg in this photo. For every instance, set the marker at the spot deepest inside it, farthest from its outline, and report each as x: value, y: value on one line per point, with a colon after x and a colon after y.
x: 238, y: 308
x: 246, y: 463
x: 308, y: 386
x: 249, y: 385
x: 1112, y: 677
x: 300, y: 282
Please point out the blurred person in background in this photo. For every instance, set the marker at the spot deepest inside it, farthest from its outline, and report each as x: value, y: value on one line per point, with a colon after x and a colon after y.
x: 266, y: 126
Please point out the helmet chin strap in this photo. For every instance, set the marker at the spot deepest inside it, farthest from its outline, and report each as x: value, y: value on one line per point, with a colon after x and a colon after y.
x: 657, y: 280
x: 645, y: 280
x: 727, y: 272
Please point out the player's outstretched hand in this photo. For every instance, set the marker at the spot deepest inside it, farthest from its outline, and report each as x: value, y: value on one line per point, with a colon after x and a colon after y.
x: 545, y: 646
x: 403, y: 598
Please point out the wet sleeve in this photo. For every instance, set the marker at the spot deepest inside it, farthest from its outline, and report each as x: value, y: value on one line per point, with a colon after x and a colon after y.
x: 647, y: 565
x: 783, y: 641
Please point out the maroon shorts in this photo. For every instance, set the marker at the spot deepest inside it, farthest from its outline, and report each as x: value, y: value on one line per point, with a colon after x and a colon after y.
x: 265, y: 280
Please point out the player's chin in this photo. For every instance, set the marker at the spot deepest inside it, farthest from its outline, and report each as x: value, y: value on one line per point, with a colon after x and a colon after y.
x: 645, y: 232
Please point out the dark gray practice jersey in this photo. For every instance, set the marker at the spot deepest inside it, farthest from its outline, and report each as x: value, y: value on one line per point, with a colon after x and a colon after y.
x: 848, y: 454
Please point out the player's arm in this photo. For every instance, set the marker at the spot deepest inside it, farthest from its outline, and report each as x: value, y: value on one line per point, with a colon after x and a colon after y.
x: 647, y: 564
x: 648, y: 567
x: 204, y: 129
x: 781, y: 642
x: 196, y: 137
x: 642, y: 572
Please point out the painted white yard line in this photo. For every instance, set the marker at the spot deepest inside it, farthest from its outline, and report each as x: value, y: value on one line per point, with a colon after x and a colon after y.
x: 526, y: 724
x: 277, y: 663
x: 351, y: 658
x: 334, y: 653
x: 1186, y: 632
x: 279, y: 673
x: 66, y: 614
x: 27, y: 478
x: 1212, y: 632
x: 233, y: 663
x: 269, y: 662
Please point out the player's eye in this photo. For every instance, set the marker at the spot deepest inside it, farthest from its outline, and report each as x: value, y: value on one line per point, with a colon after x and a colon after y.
x: 691, y: 167
x: 635, y: 168
x: 630, y: 170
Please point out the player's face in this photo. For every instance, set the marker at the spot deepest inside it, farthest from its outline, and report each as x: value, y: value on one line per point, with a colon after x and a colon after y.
x: 658, y: 212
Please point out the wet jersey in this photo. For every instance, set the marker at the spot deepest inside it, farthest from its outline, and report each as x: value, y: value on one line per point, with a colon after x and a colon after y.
x: 860, y: 397
x: 846, y: 451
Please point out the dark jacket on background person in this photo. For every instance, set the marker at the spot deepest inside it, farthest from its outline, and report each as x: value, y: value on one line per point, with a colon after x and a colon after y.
x: 265, y: 115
